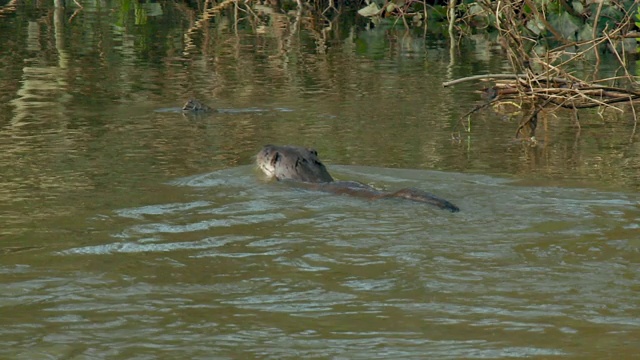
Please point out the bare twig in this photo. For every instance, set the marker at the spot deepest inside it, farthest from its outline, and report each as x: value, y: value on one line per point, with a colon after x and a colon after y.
x: 542, y: 80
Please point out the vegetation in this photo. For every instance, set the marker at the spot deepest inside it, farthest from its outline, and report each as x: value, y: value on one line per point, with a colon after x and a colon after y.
x: 544, y: 41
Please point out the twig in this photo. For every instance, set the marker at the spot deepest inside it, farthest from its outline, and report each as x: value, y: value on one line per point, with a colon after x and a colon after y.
x: 487, y: 76
x: 635, y: 123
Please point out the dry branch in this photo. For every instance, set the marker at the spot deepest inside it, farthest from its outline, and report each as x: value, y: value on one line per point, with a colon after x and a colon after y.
x: 543, y: 81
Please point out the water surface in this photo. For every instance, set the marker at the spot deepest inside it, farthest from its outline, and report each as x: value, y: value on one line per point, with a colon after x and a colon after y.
x: 131, y: 233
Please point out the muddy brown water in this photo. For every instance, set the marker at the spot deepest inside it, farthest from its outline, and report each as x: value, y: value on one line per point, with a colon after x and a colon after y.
x: 134, y: 234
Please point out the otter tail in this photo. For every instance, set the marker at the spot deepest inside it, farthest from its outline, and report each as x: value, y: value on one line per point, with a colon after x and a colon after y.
x: 424, y: 197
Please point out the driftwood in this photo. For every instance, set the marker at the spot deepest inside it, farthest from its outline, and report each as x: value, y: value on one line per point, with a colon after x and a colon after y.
x: 555, y: 92
x: 542, y: 81
x: 571, y: 94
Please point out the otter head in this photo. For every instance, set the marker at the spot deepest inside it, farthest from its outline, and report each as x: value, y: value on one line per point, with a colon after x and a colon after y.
x: 292, y: 163
x: 194, y: 105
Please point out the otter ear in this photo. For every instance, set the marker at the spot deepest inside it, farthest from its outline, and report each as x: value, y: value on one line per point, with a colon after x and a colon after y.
x: 275, y: 158
x: 313, y: 151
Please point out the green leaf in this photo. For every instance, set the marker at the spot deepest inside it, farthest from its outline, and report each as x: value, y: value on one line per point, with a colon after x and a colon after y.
x: 536, y: 26
x: 390, y: 7
x: 577, y: 6
x: 369, y: 10
x: 586, y: 33
x: 566, y: 24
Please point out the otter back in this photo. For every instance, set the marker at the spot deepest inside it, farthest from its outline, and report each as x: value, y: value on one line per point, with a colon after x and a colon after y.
x: 302, y: 165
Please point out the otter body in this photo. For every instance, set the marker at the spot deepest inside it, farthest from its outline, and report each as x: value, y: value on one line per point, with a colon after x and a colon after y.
x: 195, y: 106
x: 303, y: 165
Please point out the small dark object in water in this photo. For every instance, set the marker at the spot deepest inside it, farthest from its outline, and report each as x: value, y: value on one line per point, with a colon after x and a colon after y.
x: 303, y: 165
x: 194, y: 105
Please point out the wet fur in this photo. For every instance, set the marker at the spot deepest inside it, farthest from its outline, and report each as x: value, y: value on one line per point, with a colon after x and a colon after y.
x: 303, y: 165
x: 194, y: 105
x: 292, y: 163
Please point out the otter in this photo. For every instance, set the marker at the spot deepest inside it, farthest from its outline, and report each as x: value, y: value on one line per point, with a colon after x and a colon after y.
x: 302, y: 165
x: 195, y: 106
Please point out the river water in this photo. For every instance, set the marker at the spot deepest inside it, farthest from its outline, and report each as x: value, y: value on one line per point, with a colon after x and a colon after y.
x: 132, y: 233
